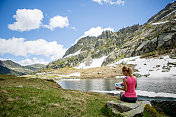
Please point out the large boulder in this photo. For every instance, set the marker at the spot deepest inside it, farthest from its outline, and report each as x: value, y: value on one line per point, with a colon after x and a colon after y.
x: 127, y: 109
x: 166, y: 39
x: 173, y: 54
x: 168, y: 107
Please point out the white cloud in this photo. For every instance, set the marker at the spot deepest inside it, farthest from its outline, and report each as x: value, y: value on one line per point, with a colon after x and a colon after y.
x: 2, y: 59
x: 57, y: 22
x: 26, y: 20
x: 32, y: 61
x: 111, y: 2
x: 94, y: 32
x: 20, y: 47
x: 98, y: 1
x: 73, y: 28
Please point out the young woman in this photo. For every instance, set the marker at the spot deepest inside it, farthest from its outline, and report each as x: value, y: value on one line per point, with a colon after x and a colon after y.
x: 130, y: 84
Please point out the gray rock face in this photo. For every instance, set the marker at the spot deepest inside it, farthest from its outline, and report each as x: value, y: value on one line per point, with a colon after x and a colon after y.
x: 166, y: 39
x: 168, y: 107
x: 127, y: 109
x: 173, y: 54
x: 168, y: 11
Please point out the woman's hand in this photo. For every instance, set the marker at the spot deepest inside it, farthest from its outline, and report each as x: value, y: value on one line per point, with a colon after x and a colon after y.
x: 122, y: 83
x: 118, y: 87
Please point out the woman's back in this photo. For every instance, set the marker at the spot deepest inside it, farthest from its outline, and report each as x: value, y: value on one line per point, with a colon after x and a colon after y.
x: 131, y: 84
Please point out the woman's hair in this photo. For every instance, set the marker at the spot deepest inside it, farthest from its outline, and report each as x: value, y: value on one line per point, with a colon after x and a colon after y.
x: 128, y: 70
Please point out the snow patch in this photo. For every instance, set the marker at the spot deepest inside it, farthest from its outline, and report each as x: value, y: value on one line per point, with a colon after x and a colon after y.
x: 159, y: 23
x: 71, y: 75
x: 75, y: 74
x: 95, y: 63
x: 76, y: 53
x: 153, y: 66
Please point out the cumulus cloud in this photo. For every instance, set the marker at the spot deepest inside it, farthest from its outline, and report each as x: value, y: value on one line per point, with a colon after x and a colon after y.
x: 32, y: 61
x: 111, y: 2
x: 2, y: 59
x: 26, y: 20
x: 20, y: 47
x: 94, y: 32
x: 57, y: 22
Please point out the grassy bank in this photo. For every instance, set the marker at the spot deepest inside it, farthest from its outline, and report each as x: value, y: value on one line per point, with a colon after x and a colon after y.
x: 90, y: 73
x: 37, y: 97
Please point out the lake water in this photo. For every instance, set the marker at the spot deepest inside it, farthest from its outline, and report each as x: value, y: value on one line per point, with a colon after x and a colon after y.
x: 165, y: 85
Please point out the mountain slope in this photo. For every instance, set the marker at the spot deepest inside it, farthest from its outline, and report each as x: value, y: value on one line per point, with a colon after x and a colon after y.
x: 10, y: 67
x: 156, y: 37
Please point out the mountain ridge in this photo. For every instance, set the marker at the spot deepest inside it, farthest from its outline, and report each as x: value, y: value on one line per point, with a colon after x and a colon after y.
x: 157, y: 36
x: 12, y: 68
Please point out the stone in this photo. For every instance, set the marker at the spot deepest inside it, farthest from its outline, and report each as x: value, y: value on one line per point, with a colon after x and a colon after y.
x: 168, y: 107
x: 142, y: 45
x: 165, y: 39
x: 165, y: 69
x: 173, y: 54
x: 137, y: 74
x: 20, y: 86
x: 172, y: 63
x: 127, y: 109
x: 146, y: 75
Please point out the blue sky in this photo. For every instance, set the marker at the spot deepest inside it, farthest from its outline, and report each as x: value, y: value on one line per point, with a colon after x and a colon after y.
x: 40, y: 31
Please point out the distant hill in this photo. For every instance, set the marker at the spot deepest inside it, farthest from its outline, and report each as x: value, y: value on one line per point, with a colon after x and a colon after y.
x: 157, y: 36
x: 12, y: 68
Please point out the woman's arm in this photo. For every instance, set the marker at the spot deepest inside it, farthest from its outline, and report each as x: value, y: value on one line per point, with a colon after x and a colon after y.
x: 125, y: 85
x: 136, y: 84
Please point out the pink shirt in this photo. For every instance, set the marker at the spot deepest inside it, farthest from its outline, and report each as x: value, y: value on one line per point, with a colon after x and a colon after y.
x: 131, y: 83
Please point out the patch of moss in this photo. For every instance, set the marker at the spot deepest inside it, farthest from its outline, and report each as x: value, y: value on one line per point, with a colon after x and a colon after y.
x: 150, y: 111
x: 108, y: 112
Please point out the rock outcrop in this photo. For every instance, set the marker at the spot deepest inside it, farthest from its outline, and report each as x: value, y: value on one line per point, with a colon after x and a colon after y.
x: 127, y: 109
x: 166, y: 13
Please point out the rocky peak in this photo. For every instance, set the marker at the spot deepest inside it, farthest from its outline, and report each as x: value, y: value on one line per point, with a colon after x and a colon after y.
x: 168, y: 13
x: 105, y: 34
x: 129, y: 29
x: 82, y: 44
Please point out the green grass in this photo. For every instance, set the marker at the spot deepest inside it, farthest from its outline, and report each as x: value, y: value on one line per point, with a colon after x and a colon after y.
x: 120, y: 57
x: 37, y: 97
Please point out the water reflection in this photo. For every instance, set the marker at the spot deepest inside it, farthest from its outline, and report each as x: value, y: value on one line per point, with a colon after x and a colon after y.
x: 167, y: 85
x: 89, y: 84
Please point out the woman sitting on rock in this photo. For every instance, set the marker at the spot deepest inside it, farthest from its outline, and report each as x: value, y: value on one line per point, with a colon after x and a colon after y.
x: 130, y: 84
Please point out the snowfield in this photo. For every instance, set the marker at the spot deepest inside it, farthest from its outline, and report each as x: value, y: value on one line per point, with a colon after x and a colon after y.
x: 152, y: 67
